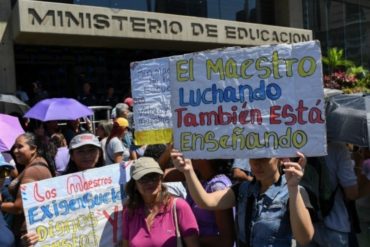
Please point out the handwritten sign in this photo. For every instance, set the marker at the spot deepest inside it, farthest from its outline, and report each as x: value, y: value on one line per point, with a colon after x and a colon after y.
x: 151, y: 93
x: 254, y: 102
x: 80, y: 209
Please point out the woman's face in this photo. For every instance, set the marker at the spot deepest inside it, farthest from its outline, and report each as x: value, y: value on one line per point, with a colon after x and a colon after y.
x: 265, y: 168
x: 149, y: 185
x: 23, y: 152
x: 85, y: 157
x: 100, y: 132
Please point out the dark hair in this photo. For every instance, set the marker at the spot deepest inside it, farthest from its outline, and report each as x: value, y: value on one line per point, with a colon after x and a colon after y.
x: 222, y: 166
x: 43, y: 149
x: 115, y: 132
x: 155, y: 151
x: 134, y: 199
x: 106, y: 126
x: 58, y: 140
x: 72, y: 167
x: 34, y: 124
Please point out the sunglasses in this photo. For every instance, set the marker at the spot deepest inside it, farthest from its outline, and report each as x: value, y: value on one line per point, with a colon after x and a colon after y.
x: 152, y: 177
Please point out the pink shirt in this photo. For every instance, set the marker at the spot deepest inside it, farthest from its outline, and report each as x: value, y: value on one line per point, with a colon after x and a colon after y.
x: 163, y: 229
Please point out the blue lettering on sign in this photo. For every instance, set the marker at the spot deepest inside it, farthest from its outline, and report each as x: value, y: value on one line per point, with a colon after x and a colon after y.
x: 68, y: 206
x: 242, y: 93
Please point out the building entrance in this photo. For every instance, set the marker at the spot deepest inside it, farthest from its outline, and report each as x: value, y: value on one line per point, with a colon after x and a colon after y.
x: 63, y: 70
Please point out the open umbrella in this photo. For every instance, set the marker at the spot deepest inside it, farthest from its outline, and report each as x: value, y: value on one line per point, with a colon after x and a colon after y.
x: 10, y: 103
x: 10, y: 129
x: 348, y: 118
x: 58, y: 109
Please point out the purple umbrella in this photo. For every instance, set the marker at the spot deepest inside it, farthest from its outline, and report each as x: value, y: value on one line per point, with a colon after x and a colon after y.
x: 58, y: 109
x: 10, y: 129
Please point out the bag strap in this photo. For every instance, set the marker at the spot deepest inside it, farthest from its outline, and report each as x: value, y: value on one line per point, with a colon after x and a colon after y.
x: 175, y: 218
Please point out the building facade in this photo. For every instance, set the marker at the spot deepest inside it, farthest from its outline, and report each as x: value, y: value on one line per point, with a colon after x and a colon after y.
x: 67, y: 42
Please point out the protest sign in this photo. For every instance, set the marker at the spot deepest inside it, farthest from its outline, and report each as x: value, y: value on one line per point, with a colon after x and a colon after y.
x: 256, y: 102
x: 79, y: 209
x: 151, y: 93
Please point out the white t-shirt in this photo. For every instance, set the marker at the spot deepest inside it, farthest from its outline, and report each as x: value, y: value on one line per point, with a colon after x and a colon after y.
x: 114, y: 146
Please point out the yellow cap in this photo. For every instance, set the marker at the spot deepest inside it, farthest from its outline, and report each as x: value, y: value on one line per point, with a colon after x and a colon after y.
x: 122, y: 122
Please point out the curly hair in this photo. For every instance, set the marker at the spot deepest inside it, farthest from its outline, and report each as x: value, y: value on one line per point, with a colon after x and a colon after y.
x: 134, y: 199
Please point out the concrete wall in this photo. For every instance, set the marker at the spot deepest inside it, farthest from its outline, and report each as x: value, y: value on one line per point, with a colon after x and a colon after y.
x: 289, y: 13
x: 48, y: 23
x: 7, y: 67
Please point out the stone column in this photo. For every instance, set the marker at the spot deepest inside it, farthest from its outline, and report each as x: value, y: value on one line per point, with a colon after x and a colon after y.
x: 7, y: 63
x: 289, y: 13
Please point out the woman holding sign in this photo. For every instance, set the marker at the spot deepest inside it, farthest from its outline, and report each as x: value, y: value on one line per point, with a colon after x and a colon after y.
x: 85, y: 153
x: 151, y: 216
x: 264, y: 215
x: 31, y: 152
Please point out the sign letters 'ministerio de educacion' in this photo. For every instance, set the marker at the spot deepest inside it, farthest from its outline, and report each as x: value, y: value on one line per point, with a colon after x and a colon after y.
x: 77, y: 21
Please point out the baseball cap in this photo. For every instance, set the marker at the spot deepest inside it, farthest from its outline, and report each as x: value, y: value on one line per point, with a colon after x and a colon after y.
x: 144, y: 166
x: 84, y: 139
x: 129, y: 101
x: 121, y: 122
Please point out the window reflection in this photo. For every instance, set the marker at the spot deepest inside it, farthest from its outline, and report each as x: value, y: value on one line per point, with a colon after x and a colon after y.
x: 341, y: 23
x: 259, y: 11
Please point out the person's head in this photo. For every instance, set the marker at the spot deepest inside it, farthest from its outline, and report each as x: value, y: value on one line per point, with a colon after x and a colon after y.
x: 25, y: 148
x: 85, y: 153
x: 58, y: 140
x: 207, y: 169
x: 52, y: 127
x: 36, y: 86
x: 86, y: 87
x: 155, y: 151
x: 145, y: 185
x: 5, y: 169
x: 29, y: 146
x: 36, y: 127
x: 129, y: 101
x: 110, y: 90
x: 74, y: 124
x: 120, y: 127
x: 104, y: 129
x: 122, y: 110
x: 265, y: 168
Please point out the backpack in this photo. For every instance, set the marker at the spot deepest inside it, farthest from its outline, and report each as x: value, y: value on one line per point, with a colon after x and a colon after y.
x: 317, y: 184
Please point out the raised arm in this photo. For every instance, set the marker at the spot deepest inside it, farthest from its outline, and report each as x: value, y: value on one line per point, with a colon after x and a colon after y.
x: 219, y: 200
x: 300, y: 218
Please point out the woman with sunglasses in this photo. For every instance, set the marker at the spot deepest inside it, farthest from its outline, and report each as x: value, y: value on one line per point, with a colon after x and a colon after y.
x: 270, y: 210
x: 149, y: 214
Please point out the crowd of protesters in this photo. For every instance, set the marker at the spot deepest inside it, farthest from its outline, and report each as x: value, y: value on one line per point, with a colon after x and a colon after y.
x: 262, y: 197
